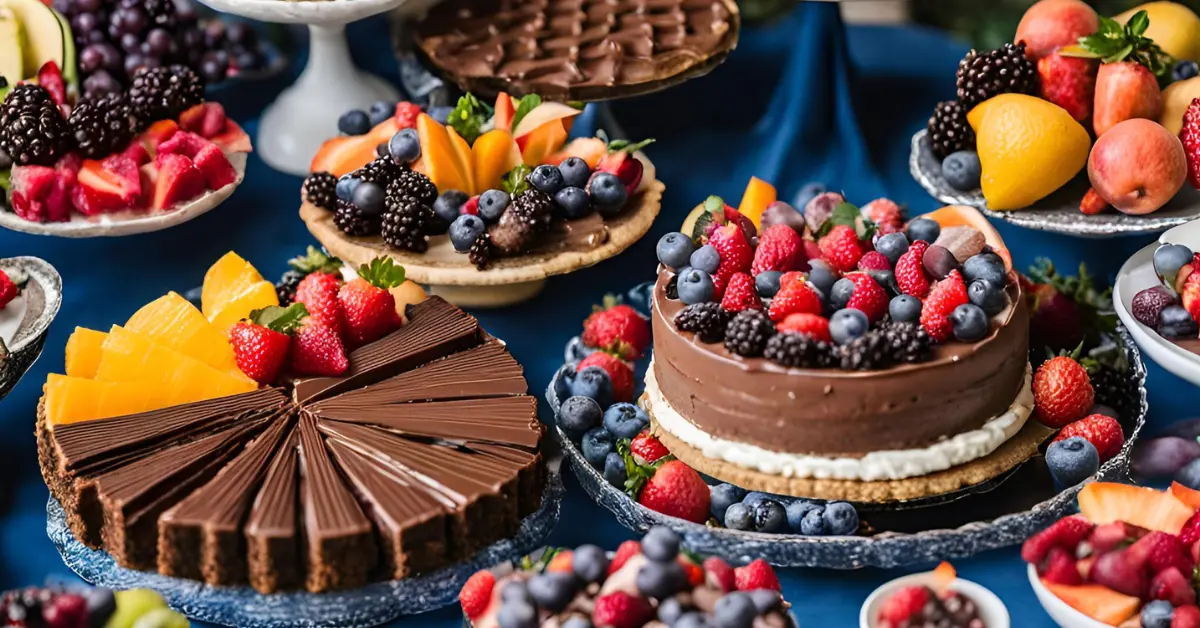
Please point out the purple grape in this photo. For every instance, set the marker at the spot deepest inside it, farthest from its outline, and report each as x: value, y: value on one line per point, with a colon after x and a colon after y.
x: 66, y: 7
x: 130, y: 43
x: 88, y: 6
x: 100, y: 83
x: 85, y: 23
x: 96, y: 37
x: 159, y: 42
x: 1162, y: 457
x: 214, y: 34
x: 193, y: 39
x: 131, y: 20
x: 91, y: 59
x: 137, y: 62
x: 240, y: 34
x: 214, y: 65
x: 247, y: 60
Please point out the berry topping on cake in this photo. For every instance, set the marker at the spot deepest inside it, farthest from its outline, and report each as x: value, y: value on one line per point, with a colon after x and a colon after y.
x: 795, y: 296
x: 868, y: 296
x: 741, y: 294
x: 706, y: 320
x: 735, y: 253
x: 840, y: 247
x: 779, y: 248
x: 748, y: 332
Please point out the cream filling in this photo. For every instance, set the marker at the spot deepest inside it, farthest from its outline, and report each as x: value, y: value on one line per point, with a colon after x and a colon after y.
x: 875, y: 466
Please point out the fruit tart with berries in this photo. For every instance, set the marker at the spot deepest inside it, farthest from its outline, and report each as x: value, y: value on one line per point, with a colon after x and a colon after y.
x: 840, y: 352
x: 296, y: 445
x: 488, y: 199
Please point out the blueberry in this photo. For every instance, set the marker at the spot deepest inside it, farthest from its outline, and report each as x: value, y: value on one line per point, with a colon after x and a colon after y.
x: 841, y: 519
x: 769, y: 516
x: 405, y: 146
x: 691, y: 620
x: 923, y: 229
x: 1159, y: 613
x: 886, y: 279
x: 986, y: 266
x: 821, y: 276
x: 546, y: 178
x: 517, y: 614
x: 848, y: 324
x: 669, y: 610
x: 987, y: 296
x: 766, y: 283
x: 739, y: 517
x: 722, y: 497
x: 808, y: 192
x: 735, y: 610
x: 596, y: 445
x: 705, y: 258
x: 695, y: 286
x: 101, y: 603
x: 553, y: 591
x: 354, y: 122
x: 590, y: 563
x: 892, y: 245
x: 578, y: 415
x: 765, y: 600
x: 1175, y: 322
x: 516, y: 591
x: 449, y: 204
x: 905, y: 308
x: 608, y: 193
x: 577, y: 621
x: 625, y: 420
x: 593, y: 381
x: 813, y: 523
x: 380, y: 111
x: 465, y: 230
x: 441, y: 115
x: 574, y: 203
x: 492, y: 204
x: 754, y: 498
x: 938, y: 261
x: 841, y: 292
x: 1182, y: 71
x: 970, y: 322
x: 345, y: 187
x: 1072, y: 460
x: 796, y: 512
x: 1168, y: 259
x: 368, y: 198
x: 563, y: 382
x: 961, y: 170
x: 575, y: 172
x: 660, y: 579
x: 1189, y: 475
x: 674, y: 250
x: 614, y: 470
x: 576, y: 350
x: 660, y: 544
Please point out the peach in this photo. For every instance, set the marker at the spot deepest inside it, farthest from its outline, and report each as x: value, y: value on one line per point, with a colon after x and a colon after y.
x: 1137, y: 166
x: 1051, y: 24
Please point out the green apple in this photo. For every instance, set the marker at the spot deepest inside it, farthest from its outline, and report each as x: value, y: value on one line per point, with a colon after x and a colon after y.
x: 11, y: 52
x: 47, y: 37
x: 68, y: 66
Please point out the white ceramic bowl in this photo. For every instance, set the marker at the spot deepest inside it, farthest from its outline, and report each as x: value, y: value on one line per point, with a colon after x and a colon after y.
x: 1058, y: 610
x: 991, y: 609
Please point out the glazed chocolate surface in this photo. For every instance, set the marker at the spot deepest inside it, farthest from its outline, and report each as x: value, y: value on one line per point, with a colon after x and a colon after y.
x: 831, y: 412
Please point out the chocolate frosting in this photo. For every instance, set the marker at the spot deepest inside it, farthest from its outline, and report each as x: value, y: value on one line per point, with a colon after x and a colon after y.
x: 830, y: 412
x: 503, y: 420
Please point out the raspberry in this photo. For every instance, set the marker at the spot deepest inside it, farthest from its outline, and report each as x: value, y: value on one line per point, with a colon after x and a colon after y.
x: 621, y: 610
x: 779, y: 248
x: 406, y: 115
x: 1060, y: 567
x: 869, y: 296
x: 756, y: 575
x: 618, y: 371
x: 1149, y: 303
x: 946, y: 295
x: 885, y: 214
x: 910, y: 271
x: 903, y: 605
x: 1186, y: 617
x: 813, y: 325
x: 1100, y: 430
x: 740, y: 294
x: 794, y: 297
x: 840, y: 247
x: 1191, y: 141
x: 476, y: 594
x: 874, y: 260
x: 1066, y: 533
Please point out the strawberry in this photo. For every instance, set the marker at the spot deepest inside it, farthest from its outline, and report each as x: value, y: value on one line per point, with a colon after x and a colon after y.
x: 618, y: 329
x: 561, y: 562
x: 318, y: 291
x: 779, y: 248
x: 814, y: 325
x: 1124, y: 90
x: 620, y: 161
x: 1100, y: 430
x: 1060, y: 306
x: 50, y: 78
x: 787, y: 280
x: 621, y: 610
x: 620, y: 372
x: 1190, y: 135
x: 1066, y: 533
x: 1190, y: 533
x: 1160, y: 551
x: 945, y: 295
x: 317, y: 350
x: 869, y: 296
x: 720, y: 574
x: 756, y: 575
x: 625, y: 551
x: 1069, y: 82
x: 471, y: 207
x: 910, y: 271
x: 8, y: 290
x: 368, y: 308
x: 1171, y: 585
x: 1110, y: 536
x: 886, y: 215
x: 1062, y: 392
x: 1189, y: 297
x: 736, y: 255
x: 1060, y: 567
x: 695, y: 574
x: 1186, y: 617
x: 676, y: 490
x: 840, y: 247
x: 261, y: 344
x: 903, y: 605
x: 874, y: 260
x: 407, y: 114
x: 1092, y: 203
x: 476, y: 593
x: 740, y: 294
x: 795, y: 296
x: 646, y: 449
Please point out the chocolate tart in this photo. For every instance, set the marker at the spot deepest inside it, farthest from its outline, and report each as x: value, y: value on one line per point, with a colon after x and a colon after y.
x: 570, y: 50
x: 427, y: 450
x: 571, y: 245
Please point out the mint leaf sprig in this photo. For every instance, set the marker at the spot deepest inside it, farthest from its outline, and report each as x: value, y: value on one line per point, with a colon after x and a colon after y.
x: 1114, y: 43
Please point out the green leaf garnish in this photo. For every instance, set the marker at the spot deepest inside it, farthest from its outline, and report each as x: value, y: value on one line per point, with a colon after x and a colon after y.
x: 469, y: 117
x: 382, y: 272
x: 1095, y: 305
x: 315, y: 261
x: 1114, y: 43
x: 627, y: 146
x: 281, y: 319
x: 514, y: 182
x: 636, y: 475
x: 848, y: 215
x: 524, y: 106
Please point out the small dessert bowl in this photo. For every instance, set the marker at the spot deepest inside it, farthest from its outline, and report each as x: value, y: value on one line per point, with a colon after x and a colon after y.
x: 1058, y: 610
x: 991, y: 609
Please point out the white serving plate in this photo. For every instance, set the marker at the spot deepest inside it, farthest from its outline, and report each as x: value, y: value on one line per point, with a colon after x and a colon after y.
x: 1058, y: 610
x: 991, y: 609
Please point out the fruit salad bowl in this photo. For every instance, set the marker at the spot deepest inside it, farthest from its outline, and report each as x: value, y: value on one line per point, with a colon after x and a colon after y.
x: 25, y: 319
x: 1058, y: 610
x: 991, y: 610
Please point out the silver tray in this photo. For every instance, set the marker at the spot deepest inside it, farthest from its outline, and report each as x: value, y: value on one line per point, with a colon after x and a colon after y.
x: 24, y: 323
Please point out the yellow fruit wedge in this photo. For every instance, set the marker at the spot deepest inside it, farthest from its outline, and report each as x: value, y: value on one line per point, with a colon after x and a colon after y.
x: 463, y: 161
x: 83, y: 352
x: 438, y: 156
x: 255, y: 297
x: 1173, y: 26
x: 227, y: 278
x: 75, y: 399
x: 175, y: 323
x: 758, y: 195
x: 1028, y: 148
x: 494, y: 154
x: 132, y: 357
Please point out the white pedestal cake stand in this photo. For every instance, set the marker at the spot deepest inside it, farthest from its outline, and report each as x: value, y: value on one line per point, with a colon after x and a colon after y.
x: 305, y: 114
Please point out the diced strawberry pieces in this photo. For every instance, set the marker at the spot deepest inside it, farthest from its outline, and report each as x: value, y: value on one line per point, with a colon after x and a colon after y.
x: 218, y: 172
x: 233, y: 139
x: 720, y: 573
x: 1171, y: 585
x: 178, y: 181
x: 756, y: 575
x: 158, y: 133
x: 1060, y: 567
x: 903, y: 604
x: 625, y: 551
x: 1186, y: 617
x: 215, y: 122
x: 50, y: 78
x: 1065, y: 533
x: 184, y: 143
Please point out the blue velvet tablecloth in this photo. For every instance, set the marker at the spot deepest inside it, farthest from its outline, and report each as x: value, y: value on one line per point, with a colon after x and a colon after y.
x: 802, y: 99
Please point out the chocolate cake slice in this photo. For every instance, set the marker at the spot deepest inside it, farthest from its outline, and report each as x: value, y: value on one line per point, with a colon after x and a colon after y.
x: 201, y: 537
x: 502, y: 420
x: 272, y: 537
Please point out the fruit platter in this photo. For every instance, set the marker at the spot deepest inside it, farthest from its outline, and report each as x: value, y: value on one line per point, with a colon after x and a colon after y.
x: 483, y: 205
x: 30, y: 296
x: 64, y: 604
x: 907, y: 599
x: 176, y: 461
x: 730, y: 319
x: 1083, y: 125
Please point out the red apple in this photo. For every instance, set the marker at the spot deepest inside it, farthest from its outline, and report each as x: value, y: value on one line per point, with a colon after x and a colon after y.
x: 1137, y: 166
x: 1051, y: 24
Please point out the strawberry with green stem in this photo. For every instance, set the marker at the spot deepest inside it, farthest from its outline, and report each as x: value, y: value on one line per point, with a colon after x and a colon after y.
x: 620, y: 161
x: 261, y: 344
x: 369, y: 309
x: 1066, y: 310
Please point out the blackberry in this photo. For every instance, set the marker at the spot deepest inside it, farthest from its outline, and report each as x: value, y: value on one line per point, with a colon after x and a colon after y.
x: 416, y: 185
x: 948, y: 129
x: 405, y: 224
x: 481, y: 251
x: 1116, y: 389
x: 25, y: 99
x: 706, y: 320
x: 161, y: 13
x: 799, y: 351
x: 527, y: 217
x: 320, y: 190
x: 285, y: 288
x: 868, y: 352
x: 352, y: 221
x: 164, y: 93
x: 748, y: 333
x: 381, y: 172
x: 907, y: 342
x: 103, y: 126
x: 32, y: 131
x: 1005, y: 70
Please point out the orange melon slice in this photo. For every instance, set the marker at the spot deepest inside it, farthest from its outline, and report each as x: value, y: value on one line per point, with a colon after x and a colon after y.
x: 964, y: 216
x: 758, y: 195
x: 131, y: 357
x: 589, y: 149
x: 75, y: 399
x: 343, y: 155
x: 1191, y: 497
x: 1106, y: 502
x: 228, y: 277
x: 1098, y: 602
x: 494, y: 155
x: 504, y: 112
x: 83, y: 352
x: 255, y: 297
x: 438, y: 161
x: 464, y: 162
x: 173, y: 322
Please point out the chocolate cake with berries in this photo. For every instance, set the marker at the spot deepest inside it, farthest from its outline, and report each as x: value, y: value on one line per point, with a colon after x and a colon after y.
x: 324, y: 469
x: 840, y: 353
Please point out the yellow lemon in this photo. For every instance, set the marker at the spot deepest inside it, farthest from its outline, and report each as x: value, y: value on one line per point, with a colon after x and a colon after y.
x: 1173, y: 26
x: 1028, y: 148
x: 1176, y: 99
